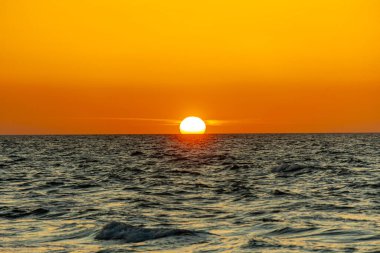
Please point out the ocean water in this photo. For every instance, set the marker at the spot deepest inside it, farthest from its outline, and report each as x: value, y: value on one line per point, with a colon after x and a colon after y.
x: 210, y: 193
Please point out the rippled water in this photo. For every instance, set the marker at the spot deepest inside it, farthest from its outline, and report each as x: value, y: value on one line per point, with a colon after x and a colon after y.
x: 213, y: 193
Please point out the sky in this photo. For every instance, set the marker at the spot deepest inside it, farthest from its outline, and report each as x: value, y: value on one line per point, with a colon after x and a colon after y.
x: 141, y: 66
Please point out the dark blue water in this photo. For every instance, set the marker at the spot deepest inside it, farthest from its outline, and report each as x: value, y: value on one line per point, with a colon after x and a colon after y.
x: 211, y: 193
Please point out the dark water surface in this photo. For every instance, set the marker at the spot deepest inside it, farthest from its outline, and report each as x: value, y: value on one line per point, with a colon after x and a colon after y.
x: 168, y: 193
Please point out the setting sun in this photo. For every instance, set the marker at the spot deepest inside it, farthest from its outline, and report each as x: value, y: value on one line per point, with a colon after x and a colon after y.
x: 192, y: 125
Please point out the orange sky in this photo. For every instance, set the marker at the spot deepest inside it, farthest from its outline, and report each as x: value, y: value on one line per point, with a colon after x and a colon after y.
x: 139, y: 66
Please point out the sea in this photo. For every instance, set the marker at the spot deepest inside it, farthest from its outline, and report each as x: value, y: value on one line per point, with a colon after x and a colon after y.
x: 176, y: 193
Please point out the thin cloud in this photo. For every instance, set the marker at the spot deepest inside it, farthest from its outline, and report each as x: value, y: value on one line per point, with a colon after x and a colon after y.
x: 170, y: 122
x: 163, y: 121
x: 214, y: 122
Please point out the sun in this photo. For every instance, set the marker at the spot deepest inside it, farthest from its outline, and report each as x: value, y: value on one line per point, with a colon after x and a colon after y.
x: 192, y: 125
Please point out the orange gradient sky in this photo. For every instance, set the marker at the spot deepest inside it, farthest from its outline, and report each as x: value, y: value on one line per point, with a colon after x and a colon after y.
x: 140, y: 66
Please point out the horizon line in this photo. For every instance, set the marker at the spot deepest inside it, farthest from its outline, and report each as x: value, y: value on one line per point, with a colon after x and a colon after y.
x: 247, y: 133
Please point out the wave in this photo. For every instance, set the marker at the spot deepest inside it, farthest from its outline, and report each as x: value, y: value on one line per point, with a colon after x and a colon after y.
x: 286, y: 167
x: 277, y: 192
x: 260, y: 242
x: 291, y: 230
x: 19, y: 213
x: 129, y: 234
x: 137, y: 153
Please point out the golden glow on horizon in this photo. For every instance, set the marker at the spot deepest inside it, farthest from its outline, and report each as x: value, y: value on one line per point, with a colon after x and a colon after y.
x: 76, y: 67
x: 192, y: 125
